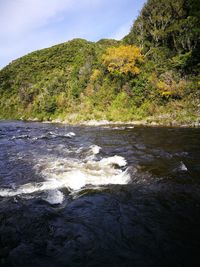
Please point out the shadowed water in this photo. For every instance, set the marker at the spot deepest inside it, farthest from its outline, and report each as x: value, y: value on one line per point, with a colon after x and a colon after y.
x: 99, y: 196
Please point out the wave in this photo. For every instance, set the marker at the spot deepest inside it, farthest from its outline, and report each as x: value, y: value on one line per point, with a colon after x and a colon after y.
x: 73, y: 174
x: 23, y: 136
x: 54, y: 197
x: 95, y: 149
x: 44, y: 136
x: 182, y: 167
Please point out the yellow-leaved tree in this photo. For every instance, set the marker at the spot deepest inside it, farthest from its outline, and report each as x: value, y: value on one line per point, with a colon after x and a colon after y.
x: 124, y: 59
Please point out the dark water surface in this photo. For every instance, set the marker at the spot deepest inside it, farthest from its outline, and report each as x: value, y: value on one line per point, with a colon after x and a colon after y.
x: 99, y: 196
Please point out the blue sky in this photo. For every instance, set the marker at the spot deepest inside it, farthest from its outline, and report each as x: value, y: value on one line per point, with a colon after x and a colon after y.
x: 28, y: 25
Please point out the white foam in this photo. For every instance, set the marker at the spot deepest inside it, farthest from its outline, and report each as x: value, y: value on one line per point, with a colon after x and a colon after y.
x: 115, y: 160
x: 54, y: 135
x: 78, y: 179
x: 74, y: 179
x: 20, y: 137
x: 70, y: 134
x: 30, y: 188
x: 54, y: 197
x: 73, y: 174
x: 183, y: 167
x: 7, y: 193
x: 95, y: 149
x: 76, y: 174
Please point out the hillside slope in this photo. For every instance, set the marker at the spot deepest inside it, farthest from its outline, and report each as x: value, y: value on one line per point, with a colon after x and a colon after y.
x: 152, y: 74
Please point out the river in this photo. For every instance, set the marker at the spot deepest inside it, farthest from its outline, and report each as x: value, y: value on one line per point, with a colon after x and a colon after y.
x: 99, y: 196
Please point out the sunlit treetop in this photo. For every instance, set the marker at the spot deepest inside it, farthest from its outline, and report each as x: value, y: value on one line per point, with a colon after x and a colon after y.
x: 123, y: 59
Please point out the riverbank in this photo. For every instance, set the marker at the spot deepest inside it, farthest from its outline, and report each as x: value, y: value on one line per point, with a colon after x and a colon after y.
x: 144, y: 122
x: 133, y: 123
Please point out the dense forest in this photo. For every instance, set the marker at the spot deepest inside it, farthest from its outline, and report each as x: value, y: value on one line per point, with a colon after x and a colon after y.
x: 152, y: 74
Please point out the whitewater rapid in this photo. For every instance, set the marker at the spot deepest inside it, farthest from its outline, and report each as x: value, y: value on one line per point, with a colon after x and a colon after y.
x: 71, y: 173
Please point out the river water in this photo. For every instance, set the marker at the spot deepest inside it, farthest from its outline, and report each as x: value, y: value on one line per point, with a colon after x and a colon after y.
x: 99, y: 196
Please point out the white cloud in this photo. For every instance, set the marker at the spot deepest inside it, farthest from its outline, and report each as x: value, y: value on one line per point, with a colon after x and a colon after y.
x: 20, y: 16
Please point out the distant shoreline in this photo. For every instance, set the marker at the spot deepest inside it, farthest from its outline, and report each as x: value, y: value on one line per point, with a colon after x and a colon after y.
x: 154, y: 121
x: 119, y: 123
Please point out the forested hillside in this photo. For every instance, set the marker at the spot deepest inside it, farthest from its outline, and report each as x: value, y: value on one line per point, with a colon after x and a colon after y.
x: 152, y: 74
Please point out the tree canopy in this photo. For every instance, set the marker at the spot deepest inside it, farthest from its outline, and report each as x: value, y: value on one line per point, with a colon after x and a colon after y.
x: 123, y: 59
x: 170, y: 23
